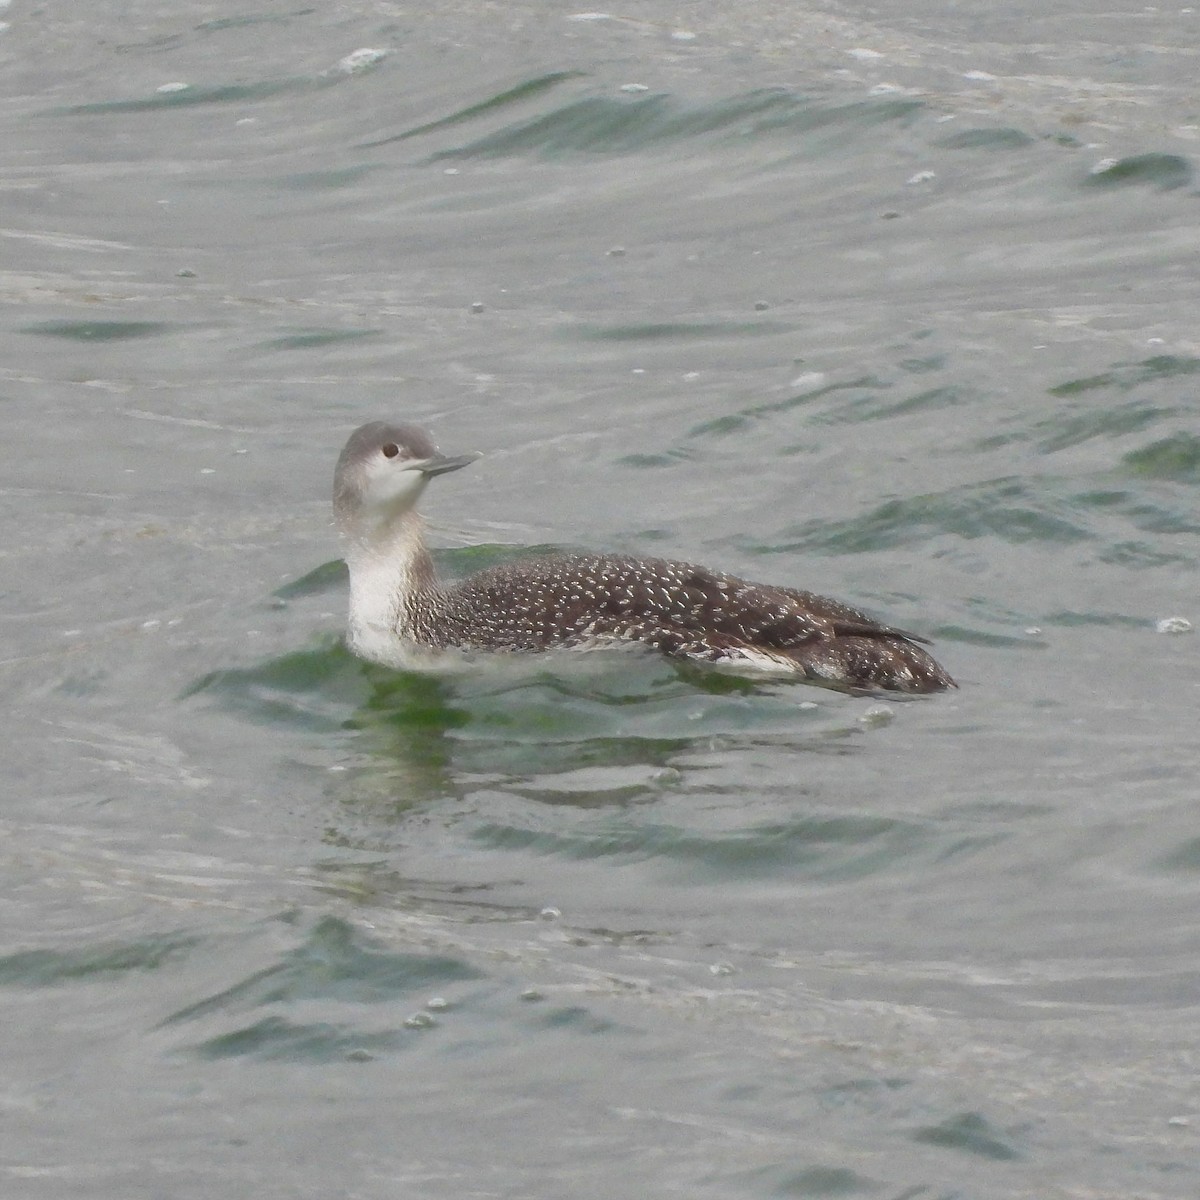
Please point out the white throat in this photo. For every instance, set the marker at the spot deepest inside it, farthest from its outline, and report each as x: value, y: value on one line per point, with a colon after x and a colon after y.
x: 388, y: 570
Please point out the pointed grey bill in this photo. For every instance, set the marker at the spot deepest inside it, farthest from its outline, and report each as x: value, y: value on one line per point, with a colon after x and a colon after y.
x: 439, y: 464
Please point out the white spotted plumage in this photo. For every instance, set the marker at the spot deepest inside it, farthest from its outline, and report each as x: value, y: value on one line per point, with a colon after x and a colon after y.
x: 400, y: 612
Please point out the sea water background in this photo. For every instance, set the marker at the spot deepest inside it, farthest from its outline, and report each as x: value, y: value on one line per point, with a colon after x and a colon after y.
x: 894, y: 302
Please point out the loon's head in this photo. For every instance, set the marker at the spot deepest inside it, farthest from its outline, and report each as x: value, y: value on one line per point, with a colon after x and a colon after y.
x: 381, y: 473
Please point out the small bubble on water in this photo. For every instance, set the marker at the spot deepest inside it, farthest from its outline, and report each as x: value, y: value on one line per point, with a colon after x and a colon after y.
x: 550, y: 913
x: 877, y: 715
x: 419, y: 1021
x: 1173, y: 625
x: 808, y: 380
x: 360, y: 60
x: 437, y: 1004
x: 722, y: 968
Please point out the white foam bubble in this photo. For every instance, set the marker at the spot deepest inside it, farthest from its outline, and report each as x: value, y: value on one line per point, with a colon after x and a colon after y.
x: 1173, y: 625
x: 360, y: 60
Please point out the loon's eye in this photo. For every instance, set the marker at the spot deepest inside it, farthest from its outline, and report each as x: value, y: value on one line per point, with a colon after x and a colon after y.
x: 390, y: 450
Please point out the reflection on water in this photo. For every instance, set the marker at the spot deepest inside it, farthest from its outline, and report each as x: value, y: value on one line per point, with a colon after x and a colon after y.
x: 600, y: 727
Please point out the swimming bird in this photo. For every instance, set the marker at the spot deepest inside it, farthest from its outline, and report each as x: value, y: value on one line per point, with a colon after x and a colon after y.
x: 400, y: 611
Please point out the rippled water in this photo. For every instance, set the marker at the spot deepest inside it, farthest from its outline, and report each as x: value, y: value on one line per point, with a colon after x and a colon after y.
x: 901, y: 308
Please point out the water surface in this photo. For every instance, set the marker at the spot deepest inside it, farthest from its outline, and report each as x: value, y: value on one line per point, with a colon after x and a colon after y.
x: 899, y: 307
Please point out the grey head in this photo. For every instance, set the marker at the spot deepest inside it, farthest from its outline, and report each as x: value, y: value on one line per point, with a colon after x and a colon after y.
x: 382, y: 471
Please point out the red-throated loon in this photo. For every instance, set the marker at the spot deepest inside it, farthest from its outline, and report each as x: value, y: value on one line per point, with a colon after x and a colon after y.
x: 398, y: 608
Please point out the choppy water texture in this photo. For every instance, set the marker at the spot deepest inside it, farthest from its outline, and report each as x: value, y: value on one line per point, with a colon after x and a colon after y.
x: 900, y: 307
